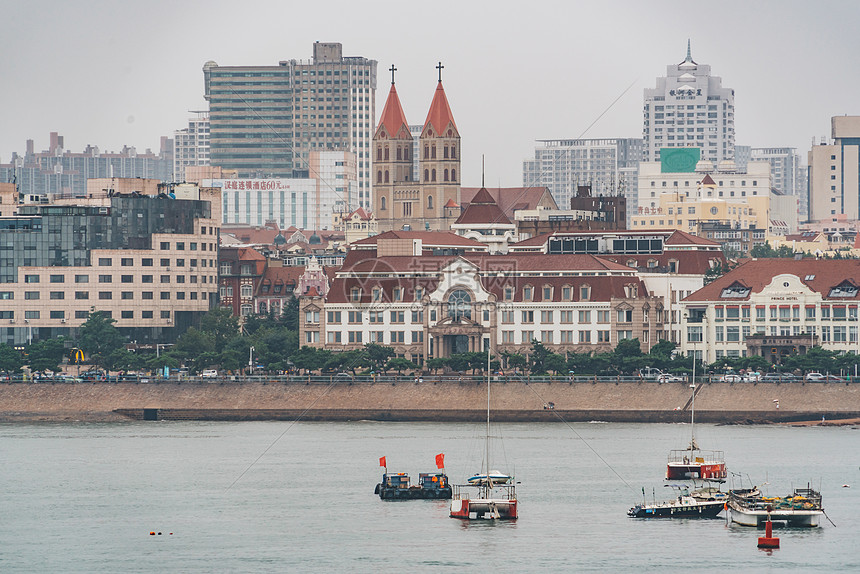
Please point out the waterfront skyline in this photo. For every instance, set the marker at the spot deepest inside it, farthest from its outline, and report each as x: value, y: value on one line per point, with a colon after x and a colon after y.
x: 110, y: 75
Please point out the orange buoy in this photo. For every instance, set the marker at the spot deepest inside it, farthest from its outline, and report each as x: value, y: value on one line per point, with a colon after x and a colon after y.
x: 768, y: 541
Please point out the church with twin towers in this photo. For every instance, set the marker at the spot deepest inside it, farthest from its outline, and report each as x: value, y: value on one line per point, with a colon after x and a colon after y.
x: 427, y: 198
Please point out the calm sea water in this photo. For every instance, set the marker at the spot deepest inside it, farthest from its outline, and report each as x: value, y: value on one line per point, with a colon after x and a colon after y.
x: 84, y: 497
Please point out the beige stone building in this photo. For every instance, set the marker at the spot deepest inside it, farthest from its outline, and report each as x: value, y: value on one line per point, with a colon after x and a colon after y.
x: 834, y: 173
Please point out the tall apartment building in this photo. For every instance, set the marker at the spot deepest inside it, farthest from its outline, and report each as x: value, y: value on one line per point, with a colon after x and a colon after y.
x: 689, y: 108
x: 784, y: 169
x: 59, y: 171
x: 191, y: 145
x: 266, y: 120
x: 609, y: 166
x: 834, y: 173
x: 147, y: 261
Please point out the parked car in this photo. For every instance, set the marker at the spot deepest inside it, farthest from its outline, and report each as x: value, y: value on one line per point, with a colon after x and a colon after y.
x: 814, y: 377
x: 834, y: 379
x: 752, y: 377
x: 209, y: 374
x: 343, y: 377
x: 731, y: 378
x: 668, y: 378
x: 779, y: 378
x: 650, y: 373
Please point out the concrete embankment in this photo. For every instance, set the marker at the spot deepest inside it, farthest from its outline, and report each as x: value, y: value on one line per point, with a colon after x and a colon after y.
x: 427, y: 401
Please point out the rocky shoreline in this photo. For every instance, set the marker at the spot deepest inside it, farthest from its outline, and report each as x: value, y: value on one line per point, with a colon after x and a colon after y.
x: 721, y: 403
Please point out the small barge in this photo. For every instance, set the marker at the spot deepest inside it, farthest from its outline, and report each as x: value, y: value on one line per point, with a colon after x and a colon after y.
x: 748, y: 507
x: 396, y: 486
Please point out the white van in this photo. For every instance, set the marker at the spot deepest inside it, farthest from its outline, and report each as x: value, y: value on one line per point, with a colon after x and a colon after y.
x: 209, y: 374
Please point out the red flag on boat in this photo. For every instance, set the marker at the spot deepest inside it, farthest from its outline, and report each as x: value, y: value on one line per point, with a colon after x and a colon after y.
x: 440, y: 460
x: 382, y: 462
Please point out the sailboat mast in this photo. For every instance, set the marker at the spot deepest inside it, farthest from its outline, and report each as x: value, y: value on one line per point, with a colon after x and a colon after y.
x: 693, y: 417
x: 489, y: 483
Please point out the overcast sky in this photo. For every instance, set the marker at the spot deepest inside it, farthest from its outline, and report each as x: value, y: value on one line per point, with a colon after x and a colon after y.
x: 111, y: 73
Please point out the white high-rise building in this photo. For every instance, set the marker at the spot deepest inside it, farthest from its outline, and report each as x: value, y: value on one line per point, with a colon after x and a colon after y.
x: 689, y: 108
x: 191, y: 145
x: 609, y: 166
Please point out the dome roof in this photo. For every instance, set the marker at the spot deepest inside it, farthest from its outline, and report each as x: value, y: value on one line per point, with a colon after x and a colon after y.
x: 314, y: 239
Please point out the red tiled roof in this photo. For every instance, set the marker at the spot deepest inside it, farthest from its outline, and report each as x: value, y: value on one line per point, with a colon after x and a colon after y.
x: 524, y: 262
x: 683, y: 238
x: 510, y: 199
x: 820, y: 275
x: 393, y: 117
x: 708, y: 180
x: 361, y: 213
x: 428, y: 238
x: 440, y: 114
x: 451, y: 204
x: 686, y: 262
x: 482, y: 210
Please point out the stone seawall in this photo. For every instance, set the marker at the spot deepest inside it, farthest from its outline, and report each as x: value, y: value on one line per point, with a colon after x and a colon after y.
x: 452, y: 401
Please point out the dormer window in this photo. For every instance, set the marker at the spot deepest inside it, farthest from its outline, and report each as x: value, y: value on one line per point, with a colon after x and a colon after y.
x: 527, y: 293
x: 377, y: 294
x: 845, y: 290
x: 547, y: 293
x: 585, y: 293
x: 509, y: 293
x: 419, y: 293
x: 397, y: 294
x: 566, y: 293
x: 631, y: 290
x: 355, y: 294
x: 735, y: 291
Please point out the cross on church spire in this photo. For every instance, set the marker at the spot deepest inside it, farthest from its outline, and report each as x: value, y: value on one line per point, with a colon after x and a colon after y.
x: 392, y: 69
x: 439, y: 67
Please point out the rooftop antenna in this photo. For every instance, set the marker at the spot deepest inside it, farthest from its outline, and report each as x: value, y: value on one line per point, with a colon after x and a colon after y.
x: 689, y: 57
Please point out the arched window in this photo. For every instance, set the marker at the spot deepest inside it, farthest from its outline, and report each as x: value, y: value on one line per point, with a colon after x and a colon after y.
x: 445, y: 152
x: 445, y: 175
x: 399, y: 153
x: 247, y: 310
x: 406, y: 153
x: 453, y: 152
x: 459, y: 305
x: 379, y: 176
x: 433, y: 152
x: 429, y: 202
x: 247, y: 291
x: 382, y: 203
x: 426, y: 175
x: 453, y: 175
x: 379, y: 154
x: 433, y: 175
x: 263, y: 309
x: 426, y: 151
x: 386, y: 153
x: 386, y: 176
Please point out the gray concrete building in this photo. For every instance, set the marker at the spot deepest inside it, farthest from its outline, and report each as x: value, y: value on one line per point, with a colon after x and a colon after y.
x: 609, y: 166
x: 834, y: 173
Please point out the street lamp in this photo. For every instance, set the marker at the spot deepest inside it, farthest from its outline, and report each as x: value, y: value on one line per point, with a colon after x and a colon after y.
x: 251, y: 360
x: 29, y: 331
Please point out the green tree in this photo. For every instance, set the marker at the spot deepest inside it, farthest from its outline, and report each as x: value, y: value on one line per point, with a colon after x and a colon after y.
x: 310, y: 358
x: 514, y: 360
x: 46, y: 355
x: 98, y: 337
x: 222, y: 325
x: 10, y: 359
x: 378, y: 355
x: 192, y: 343
x: 400, y: 364
x: 124, y: 360
x: 537, y: 358
x: 556, y: 363
x: 436, y: 363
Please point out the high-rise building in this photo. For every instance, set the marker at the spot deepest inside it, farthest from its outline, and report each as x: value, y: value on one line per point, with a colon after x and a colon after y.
x: 834, y: 172
x: 59, y: 171
x: 266, y: 120
x: 191, y: 145
x: 609, y: 166
x: 689, y: 108
x: 432, y: 200
x: 784, y: 172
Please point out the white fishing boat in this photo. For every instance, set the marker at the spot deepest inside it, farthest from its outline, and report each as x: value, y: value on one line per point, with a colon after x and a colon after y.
x: 490, y: 494
x: 748, y: 507
x: 693, y: 462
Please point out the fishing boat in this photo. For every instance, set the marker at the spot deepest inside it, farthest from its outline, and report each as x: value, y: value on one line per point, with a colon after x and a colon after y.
x: 397, y: 486
x: 748, y: 507
x: 490, y: 495
x: 705, y: 502
x: 693, y: 462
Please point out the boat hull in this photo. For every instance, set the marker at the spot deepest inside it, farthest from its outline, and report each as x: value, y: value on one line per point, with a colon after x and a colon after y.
x: 675, y: 509
x: 413, y: 493
x: 757, y: 518
x: 703, y: 470
x: 484, y: 509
